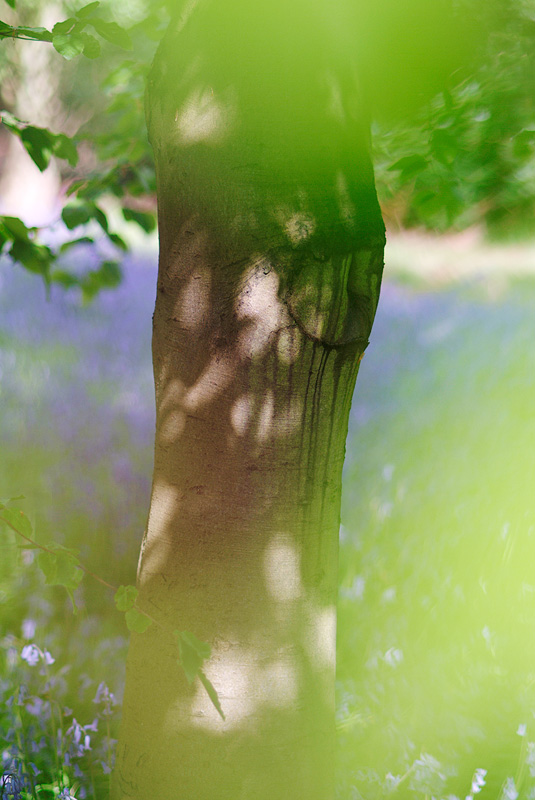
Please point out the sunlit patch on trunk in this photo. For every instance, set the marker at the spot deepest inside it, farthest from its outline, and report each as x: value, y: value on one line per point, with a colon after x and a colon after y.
x: 265, y: 420
x: 172, y: 419
x: 246, y: 683
x: 321, y: 640
x: 258, y: 303
x: 203, y: 117
x: 282, y: 569
x: 193, y: 305
x: 241, y: 413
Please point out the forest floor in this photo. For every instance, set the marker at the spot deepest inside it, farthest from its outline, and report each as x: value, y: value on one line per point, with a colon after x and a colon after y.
x: 437, y: 576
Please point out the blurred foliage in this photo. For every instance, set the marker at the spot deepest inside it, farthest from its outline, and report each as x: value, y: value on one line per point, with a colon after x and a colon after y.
x: 109, y: 155
x: 469, y: 156
x: 450, y: 84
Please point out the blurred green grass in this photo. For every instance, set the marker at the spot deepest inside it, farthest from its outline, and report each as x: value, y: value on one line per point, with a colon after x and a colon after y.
x: 437, y: 611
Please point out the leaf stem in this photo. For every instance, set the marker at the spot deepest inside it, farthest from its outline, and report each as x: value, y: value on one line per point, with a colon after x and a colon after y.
x: 84, y: 569
x: 204, y: 680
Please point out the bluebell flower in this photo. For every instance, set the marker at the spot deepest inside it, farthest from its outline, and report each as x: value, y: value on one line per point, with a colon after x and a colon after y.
x: 104, y: 695
x: 36, y: 706
x: 478, y: 781
x: 11, y: 785
x: 509, y: 790
x: 28, y: 628
x: 65, y: 794
x: 30, y: 654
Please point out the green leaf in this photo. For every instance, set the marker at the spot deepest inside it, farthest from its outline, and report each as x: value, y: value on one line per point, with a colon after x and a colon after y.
x: 118, y: 241
x: 523, y: 144
x: 18, y: 520
x: 91, y: 45
x: 61, y: 567
x: 10, y: 121
x: 15, y: 227
x: 144, y: 220
x: 75, y: 186
x: 75, y: 214
x: 409, y: 166
x: 107, y: 277
x: 444, y: 146
x: 87, y: 10
x: 79, y: 26
x: 212, y: 694
x: 5, y: 502
x: 4, y: 27
x: 110, y: 274
x: 73, y: 242
x: 113, y: 33
x: 100, y: 217
x: 65, y: 279
x: 136, y: 621
x: 68, y: 45
x: 63, y: 27
x: 192, y: 652
x: 125, y: 597
x: 39, y: 144
x: 33, y: 257
x: 64, y: 147
x: 11, y: 3
x: 39, y: 34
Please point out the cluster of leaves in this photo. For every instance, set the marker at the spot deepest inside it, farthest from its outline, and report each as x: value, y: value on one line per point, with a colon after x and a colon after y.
x: 469, y: 156
x: 466, y: 158
x: 22, y: 244
x: 61, y: 566
x: 70, y: 37
x: 114, y: 137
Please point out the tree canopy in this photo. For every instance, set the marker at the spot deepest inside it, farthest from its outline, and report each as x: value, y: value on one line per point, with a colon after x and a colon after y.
x: 450, y: 87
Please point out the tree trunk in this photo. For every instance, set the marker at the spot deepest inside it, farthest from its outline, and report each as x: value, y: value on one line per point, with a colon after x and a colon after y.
x: 26, y: 192
x: 271, y: 245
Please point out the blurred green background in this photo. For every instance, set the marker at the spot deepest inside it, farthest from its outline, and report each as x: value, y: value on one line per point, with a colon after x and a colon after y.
x: 436, y: 661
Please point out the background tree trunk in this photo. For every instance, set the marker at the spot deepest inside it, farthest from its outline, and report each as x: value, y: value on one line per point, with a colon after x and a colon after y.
x: 271, y: 246
x: 26, y: 192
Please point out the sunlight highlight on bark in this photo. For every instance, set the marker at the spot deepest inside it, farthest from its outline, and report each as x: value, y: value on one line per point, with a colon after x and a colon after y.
x: 322, y: 635
x: 241, y: 413
x: 162, y: 512
x: 173, y: 418
x: 193, y: 306
x: 265, y: 420
x: 282, y: 569
x: 203, y: 118
x: 300, y: 227
x: 259, y: 303
x: 245, y: 685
